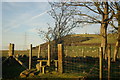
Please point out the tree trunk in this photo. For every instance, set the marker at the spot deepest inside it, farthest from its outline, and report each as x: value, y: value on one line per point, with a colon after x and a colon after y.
x: 116, y: 50
x: 54, y: 54
x: 55, y: 50
x: 104, y: 39
x: 103, y: 30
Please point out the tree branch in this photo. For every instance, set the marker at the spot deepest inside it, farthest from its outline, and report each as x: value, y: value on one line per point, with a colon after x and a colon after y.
x: 90, y: 17
x: 92, y: 9
x: 113, y: 25
x: 98, y: 8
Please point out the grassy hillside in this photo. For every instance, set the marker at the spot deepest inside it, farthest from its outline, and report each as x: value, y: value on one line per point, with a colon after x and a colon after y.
x: 72, y: 41
x: 97, y: 38
x: 86, y: 38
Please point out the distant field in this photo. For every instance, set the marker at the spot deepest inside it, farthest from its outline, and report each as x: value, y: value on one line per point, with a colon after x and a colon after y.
x: 81, y: 59
x: 71, y: 49
x: 97, y: 38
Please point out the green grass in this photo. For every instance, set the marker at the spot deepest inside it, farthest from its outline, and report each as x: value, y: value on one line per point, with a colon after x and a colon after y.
x: 111, y: 38
x: 72, y: 69
x: 76, y: 51
x: 24, y: 52
x: 72, y: 51
x: 76, y: 39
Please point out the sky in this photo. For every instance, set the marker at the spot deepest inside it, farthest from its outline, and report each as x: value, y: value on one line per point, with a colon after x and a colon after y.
x: 21, y: 21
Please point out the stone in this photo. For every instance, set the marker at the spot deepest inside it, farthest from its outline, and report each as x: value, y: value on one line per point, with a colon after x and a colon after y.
x: 38, y: 67
x: 47, y: 71
x: 22, y: 75
x: 31, y: 74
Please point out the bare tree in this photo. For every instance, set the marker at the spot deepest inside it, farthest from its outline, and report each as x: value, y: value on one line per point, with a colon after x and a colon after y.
x: 64, y: 22
x: 115, y: 7
x: 101, y: 9
x: 45, y: 35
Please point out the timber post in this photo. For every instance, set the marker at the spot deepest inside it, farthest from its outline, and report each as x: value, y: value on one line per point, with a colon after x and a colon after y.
x: 60, y: 59
x: 101, y: 63
x: 39, y: 51
x: 109, y: 61
x: 49, y: 57
x: 30, y: 57
x: 83, y: 52
x: 11, y: 50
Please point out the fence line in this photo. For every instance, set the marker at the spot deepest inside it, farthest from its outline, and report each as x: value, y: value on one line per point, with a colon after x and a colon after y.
x: 60, y: 65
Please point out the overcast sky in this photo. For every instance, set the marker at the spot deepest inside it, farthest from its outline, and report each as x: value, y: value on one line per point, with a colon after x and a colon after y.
x: 19, y: 18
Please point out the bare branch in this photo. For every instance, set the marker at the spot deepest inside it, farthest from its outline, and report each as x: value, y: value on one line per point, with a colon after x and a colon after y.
x: 113, y: 25
x: 92, y: 9
x: 98, y: 7
x: 90, y: 17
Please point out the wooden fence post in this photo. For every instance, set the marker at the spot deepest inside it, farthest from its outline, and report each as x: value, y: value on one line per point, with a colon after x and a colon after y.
x: 30, y: 57
x: 101, y: 63
x: 49, y: 59
x: 109, y: 61
x: 11, y: 50
x: 39, y: 51
x: 9, y: 53
x: 116, y: 49
x: 60, y: 59
x: 56, y: 65
x: 82, y: 52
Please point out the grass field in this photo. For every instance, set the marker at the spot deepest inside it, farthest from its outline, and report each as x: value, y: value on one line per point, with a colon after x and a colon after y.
x: 80, y: 61
x: 72, y: 51
x: 74, y: 67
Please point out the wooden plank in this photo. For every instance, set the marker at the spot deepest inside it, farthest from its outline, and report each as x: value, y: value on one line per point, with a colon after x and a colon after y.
x: 101, y: 63
x: 60, y: 59
x: 43, y: 60
x: 20, y: 62
x: 43, y: 69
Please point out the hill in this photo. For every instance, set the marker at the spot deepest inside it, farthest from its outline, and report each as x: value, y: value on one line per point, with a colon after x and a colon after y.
x: 69, y: 40
x: 76, y: 39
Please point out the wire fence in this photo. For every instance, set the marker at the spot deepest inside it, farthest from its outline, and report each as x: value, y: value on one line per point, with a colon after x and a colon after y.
x: 80, y: 59
x: 77, y: 59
